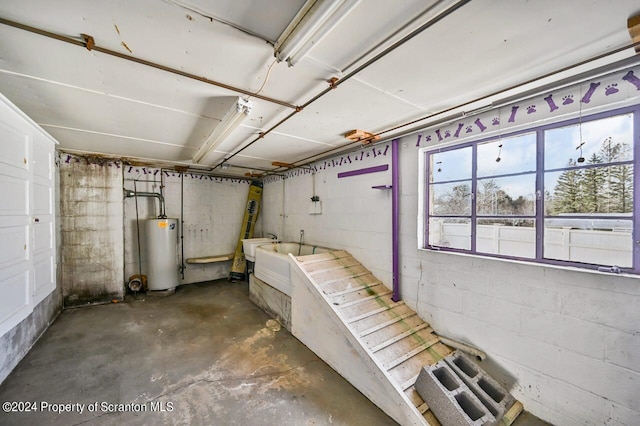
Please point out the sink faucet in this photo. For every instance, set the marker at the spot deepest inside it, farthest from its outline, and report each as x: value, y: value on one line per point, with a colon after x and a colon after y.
x: 302, y: 236
x: 273, y: 236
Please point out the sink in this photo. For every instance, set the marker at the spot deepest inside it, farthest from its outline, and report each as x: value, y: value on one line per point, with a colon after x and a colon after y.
x: 249, y: 246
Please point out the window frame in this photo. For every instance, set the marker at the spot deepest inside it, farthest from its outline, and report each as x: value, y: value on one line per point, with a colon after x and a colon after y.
x: 540, y: 216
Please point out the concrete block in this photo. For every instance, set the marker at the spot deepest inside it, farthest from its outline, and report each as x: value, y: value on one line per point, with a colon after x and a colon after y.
x: 493, y: 311
x: 623, y: 349
x: 564, y: 331
x: 448, y: 298
x: 616, y: 310
x: 543, y: 299
x: 492, y: 394
x: 450, y: 400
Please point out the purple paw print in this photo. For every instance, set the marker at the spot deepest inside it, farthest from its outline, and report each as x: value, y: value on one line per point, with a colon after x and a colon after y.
x: 566, y: 100
x: 469, y: 129
x: 447, y: 134
x: 531, y: 109
x: 495, y: 121
x: 611, y: 89
x: 428, y: 139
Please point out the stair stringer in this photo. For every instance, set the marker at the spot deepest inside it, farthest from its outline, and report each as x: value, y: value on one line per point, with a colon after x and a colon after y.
x: 320, y: 328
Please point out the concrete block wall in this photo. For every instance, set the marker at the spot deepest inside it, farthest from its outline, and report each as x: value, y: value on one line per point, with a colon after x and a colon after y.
x: 97, y: 225
x: 213, y: 213
x: 564, y: 341
x: 354, y: 216
x: 90, y: 219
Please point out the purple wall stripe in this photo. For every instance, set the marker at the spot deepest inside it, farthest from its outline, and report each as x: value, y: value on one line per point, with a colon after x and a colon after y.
x: 365, y: 171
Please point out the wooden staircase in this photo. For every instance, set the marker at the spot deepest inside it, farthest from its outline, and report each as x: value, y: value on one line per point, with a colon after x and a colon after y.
x: 397, y: 341
x: 346, y: 315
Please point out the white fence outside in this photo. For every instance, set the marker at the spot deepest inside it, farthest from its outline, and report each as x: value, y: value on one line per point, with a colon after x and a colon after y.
x: 560, y: 243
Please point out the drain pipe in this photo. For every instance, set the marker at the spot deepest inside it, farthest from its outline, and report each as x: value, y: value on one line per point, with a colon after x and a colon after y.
x: 395, y: 220
x: 129, y: 194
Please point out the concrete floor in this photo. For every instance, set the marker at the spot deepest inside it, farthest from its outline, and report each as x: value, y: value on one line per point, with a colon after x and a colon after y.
x: 204, y: 355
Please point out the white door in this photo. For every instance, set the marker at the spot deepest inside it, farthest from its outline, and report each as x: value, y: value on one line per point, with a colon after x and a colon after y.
x: 27, y: 233
x: 15, y: 260
x: 42, y: 230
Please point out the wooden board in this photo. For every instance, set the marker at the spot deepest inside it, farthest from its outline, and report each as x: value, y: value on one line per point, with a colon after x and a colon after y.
x: 211, y: 259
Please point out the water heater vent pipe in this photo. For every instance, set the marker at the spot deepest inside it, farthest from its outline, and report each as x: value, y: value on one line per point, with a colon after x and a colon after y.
x: 129, y: 194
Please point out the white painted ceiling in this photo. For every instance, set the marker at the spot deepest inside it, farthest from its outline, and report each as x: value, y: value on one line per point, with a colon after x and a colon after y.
x: 97, y: 103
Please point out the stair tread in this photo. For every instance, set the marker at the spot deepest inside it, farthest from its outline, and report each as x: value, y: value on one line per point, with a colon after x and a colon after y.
x: 318, y: 281
x: 391, y: 329
x: 387, y: 323
x: 367, y: 314
x: 401, y: 336
x: 346, y: 283
x: 407, y: 372
x: 366, y: 306
x: 380, y: 319
x: 403, y: 349
x: 331, y: 265
x: 360, y: 300
x: 363, y: 291
x: 340, y: 274
x: 321, y: 257
x: 352, y: 290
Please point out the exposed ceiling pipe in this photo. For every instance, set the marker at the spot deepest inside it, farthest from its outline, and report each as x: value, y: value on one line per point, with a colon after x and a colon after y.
x: 335, y: 83
x: 449, y: 118
x: 89, y: 44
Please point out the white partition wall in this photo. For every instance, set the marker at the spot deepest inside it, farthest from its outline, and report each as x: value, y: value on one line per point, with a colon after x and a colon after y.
x: 27, y: 232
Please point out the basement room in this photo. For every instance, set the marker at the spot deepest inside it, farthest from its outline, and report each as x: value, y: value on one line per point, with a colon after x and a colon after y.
x: 320, y: 212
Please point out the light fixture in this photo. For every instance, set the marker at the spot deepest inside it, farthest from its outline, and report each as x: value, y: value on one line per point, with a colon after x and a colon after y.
x: 314, y: 21
x: 225, y: 166
x: 232, y: 119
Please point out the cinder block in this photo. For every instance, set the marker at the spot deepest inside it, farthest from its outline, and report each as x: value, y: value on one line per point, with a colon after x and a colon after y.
x: 492, y: 394
x: 451, y: 401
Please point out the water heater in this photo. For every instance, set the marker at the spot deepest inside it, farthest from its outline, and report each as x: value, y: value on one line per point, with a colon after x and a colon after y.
x: 162, y: 254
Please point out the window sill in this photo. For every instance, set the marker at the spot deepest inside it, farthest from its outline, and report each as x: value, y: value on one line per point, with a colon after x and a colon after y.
x: 530, y: 263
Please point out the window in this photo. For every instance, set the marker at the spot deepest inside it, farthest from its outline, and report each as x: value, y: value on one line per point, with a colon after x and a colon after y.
x: 562, y: 193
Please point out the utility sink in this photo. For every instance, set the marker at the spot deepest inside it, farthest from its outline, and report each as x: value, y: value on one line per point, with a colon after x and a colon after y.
x: 249, y: 246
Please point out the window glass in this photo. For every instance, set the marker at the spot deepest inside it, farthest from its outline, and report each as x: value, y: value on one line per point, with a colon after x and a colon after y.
x: 507, y: 156
x: 450, y: 198
x: 598, y: 141
x: 593, y: 190
x: 450, y: 232
x: 514, y: 195
x: 450, y: 165
x: 511, y: 237
x: 597, y: 241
